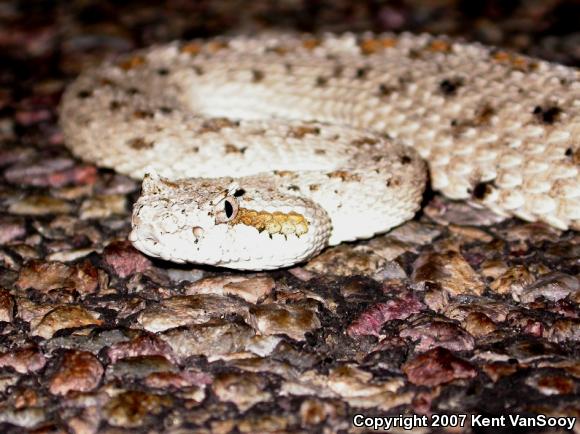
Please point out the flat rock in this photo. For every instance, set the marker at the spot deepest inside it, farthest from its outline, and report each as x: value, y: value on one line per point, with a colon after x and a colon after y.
x: 189, y: 309
x: 103, y: 206
x: 178, y: 380
x: 250, y: 289
x: 24, y: 360
x: 78, y: 371
x: 448, y: 269
x: 437, y: 366
x: 6, y: 306
x: 64, y: 317
x: 372, y: 320
x: 40, y: 205
x: 553, y: 286
x: 46, y: 276
x: 244, y: 390
x: 54, y: 172
x: 11, y: 229
x: 212, y: 339
x: 292, y: 320
x: 430, y: 333
x: 132, y: 409
x: 144, y: 345
x: 124, y: 259
x: 138, y: 367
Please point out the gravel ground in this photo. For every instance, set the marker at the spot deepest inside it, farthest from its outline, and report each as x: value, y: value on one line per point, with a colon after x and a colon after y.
x: 456, y: 312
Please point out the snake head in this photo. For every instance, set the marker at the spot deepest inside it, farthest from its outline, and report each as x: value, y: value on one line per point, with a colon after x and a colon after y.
x: 243, y: 225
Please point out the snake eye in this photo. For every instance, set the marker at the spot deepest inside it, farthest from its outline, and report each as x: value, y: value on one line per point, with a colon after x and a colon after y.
x: 226, y: 210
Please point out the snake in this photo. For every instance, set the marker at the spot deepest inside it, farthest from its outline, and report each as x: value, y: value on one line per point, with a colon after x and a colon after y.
x: 257, y: 152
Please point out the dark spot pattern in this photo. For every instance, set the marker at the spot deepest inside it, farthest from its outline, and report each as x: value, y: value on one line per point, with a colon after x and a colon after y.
x: 257, y: 75
x: 214, y: 125
x: 115, y: 105
x: 385, y: 90
x: 233, y: 149
x: 482, y: 190
x: 484, y: 114
x: 547, y: 115
x: 139, y: 143
x: 321, y: 81
x: 301, y: 131
x: 371, y: 141
x: 143, y: 114
x: 83, y: 94
x: 362, y: 72
x: 405, y: 159
x: 449, y: 86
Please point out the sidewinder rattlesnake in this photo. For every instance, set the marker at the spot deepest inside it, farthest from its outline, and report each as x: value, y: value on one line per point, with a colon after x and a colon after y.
x: 294, y: 143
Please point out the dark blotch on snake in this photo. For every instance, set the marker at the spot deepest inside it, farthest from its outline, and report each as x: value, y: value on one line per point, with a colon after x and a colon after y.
x: 547, y: 115
x: 482, y: 189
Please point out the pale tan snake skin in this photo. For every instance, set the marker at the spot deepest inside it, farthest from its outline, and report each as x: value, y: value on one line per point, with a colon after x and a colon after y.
x: 294, y: 143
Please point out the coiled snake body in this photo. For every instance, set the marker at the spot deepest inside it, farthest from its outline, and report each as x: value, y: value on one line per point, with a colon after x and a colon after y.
x: 259, y: 152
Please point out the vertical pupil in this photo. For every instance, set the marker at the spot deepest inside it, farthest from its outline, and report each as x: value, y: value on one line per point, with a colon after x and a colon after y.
x: 229, y: 209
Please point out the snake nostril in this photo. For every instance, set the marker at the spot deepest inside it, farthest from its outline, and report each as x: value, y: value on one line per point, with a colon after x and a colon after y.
x: 197, y: 232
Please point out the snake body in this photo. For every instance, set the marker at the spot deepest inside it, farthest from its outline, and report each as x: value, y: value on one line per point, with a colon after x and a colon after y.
x: 258, y: 152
